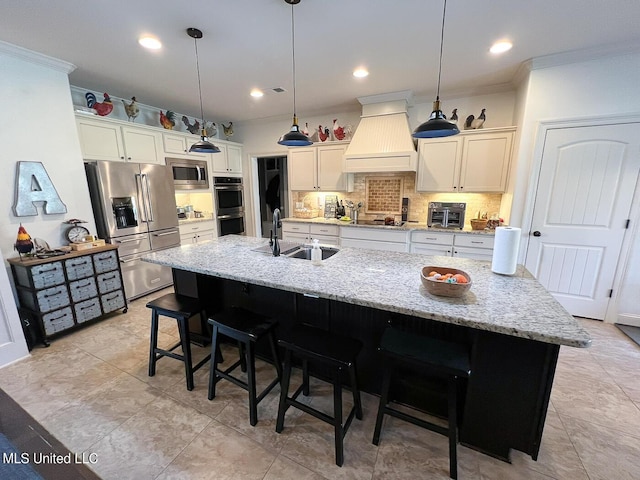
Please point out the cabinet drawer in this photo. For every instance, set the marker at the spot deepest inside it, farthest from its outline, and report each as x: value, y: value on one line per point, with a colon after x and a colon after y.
x: 432, y: 238
x: 83, y: 289
x: 191, y: 228
x: 46, y: 275
x: 375, y: 234
x: 105, y: 261
x: 476, y: 241
x: 87, y: 310
x: 295, y: 227
x: 108, y: 282
x: 80, y: 267
x: 431, y: 249
x: 112, y: 301
x: 324, y: 230
x: 57, y: 321
x: 53, y: 298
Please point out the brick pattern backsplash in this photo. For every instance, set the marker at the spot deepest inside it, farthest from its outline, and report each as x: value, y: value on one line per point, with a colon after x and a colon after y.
x: 418, y: 201
x: 383, y: 195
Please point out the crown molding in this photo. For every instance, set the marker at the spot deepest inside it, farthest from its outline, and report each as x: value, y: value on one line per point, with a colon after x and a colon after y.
x: 584, y: 55
x: 36, y: 58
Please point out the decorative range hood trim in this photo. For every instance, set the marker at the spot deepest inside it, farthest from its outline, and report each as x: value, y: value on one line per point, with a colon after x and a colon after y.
x: 382, y: 142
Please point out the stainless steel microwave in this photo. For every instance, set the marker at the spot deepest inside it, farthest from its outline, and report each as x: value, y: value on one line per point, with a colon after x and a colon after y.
x: 189, y: 174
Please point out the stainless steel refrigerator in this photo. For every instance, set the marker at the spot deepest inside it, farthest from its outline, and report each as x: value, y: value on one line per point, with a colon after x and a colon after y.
x: 135, y: 208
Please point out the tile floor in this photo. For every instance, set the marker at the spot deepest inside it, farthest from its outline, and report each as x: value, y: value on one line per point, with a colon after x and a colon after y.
x: 90, y: 389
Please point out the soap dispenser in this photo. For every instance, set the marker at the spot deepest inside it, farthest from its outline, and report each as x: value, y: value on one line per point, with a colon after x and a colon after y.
x: 316, y: 253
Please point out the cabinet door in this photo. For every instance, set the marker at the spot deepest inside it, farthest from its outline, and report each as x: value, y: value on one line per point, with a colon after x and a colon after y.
x: 331, y: 176
x: 473, y: 253
x: 426, y: 249
x: 234, y: 159
x: 142, y: 146
x: 188, y: 239
x: 205, y: 236
x: 176, y: 144
x: 439, y: 165
x: 295, y: 237
x: 100, y: 140
x: 302, y: 168
x: 485, y: 162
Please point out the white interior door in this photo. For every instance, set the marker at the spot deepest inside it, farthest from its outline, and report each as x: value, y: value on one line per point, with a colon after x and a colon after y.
x: 13, y: 345
x: 587, y: 179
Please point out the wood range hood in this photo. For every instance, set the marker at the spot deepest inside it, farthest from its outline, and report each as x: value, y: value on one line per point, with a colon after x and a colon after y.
x: 382, y: 142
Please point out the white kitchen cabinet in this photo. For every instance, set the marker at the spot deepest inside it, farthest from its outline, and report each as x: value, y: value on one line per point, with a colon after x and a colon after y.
x: 176, y: 144
x: 197, y: 232
x: 473, y: 161
x: 318, y: 167
x: 374, y: 238
x: 476, y: 246
x: 110, y: 140
x: 228, y: 161
x: 307, y: 232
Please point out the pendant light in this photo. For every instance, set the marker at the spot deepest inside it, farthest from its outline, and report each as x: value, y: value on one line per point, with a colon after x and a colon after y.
x: 203, y: 146
x: 294, y: 137
x: 437, y: 125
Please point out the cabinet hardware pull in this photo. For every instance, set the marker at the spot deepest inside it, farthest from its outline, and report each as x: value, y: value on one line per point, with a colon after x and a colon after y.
x: 310, y: 295
x: 481, y: 243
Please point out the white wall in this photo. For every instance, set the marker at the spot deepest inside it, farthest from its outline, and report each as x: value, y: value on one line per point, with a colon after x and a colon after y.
x: 588, y: 89
x: 39, y: 126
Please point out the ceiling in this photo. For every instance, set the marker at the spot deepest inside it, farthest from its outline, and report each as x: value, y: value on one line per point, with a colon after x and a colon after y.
x: 247, y: 44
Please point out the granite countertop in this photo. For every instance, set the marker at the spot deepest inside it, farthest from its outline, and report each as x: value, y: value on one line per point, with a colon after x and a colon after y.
x: 408, y: 226
x: 515, y: 305
x: 187, y: 221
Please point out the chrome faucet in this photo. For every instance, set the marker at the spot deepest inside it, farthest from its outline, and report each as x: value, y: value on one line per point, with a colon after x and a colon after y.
x: 276, y: 224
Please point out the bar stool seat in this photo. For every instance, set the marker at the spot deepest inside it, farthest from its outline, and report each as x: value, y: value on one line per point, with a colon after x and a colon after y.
x: 180, y: 308
x: 331, y: 350
x: 247, y: 328
x: 433, y: 357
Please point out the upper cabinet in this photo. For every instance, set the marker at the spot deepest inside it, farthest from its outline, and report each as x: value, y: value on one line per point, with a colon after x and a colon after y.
x: 106, y: 140
x: 228, y: 161
x: 318, y: 167
x: 179, y: 144
x: 473, y: 161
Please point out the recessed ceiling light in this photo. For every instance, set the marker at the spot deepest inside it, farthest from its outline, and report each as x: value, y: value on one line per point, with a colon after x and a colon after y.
x: 360, y: 72
x: 150, y: 42
x: 257, y: 93
x: 501, y: 46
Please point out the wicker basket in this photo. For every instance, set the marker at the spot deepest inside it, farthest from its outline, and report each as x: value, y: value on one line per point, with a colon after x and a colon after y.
x: 444, y: 289
x: 306, y: 213
x: 479, y: 223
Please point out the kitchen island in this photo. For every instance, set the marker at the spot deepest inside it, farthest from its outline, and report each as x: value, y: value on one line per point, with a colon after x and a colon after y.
x: 512, y: 325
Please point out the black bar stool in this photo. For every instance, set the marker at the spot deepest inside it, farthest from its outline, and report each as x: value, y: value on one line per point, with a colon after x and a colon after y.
x: 247, y: 329
x: 433, y: 357
x: 331, y: 350
x: 182, y: 309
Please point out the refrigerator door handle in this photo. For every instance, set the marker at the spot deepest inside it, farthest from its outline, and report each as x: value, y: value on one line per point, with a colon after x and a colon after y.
x: 140, y: 193
x: 128, y: 241
x: 145, y: 177
x: 164, y: 234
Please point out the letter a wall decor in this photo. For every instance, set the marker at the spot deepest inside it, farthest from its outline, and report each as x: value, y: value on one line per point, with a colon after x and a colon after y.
x: 34, y: 185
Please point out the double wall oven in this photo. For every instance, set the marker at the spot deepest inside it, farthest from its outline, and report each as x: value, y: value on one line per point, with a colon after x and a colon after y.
x: 229, y: 204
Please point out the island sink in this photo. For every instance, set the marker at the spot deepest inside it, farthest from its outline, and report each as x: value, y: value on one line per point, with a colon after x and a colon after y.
x: 304, y: 252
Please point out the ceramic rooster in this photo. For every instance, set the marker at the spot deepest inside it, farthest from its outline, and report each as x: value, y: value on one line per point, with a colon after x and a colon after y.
x: 131, y: 109
x: 211, y: 128
x: 168, y: 120
x: 323, y: 134
x: 192, y: 128
x: 473, y: 123
x: 228, y: 130
x: 23, y: 241
x: 338, y: 130
x: 305, y: 130
x: 102, y: 109
x: 454, y: 116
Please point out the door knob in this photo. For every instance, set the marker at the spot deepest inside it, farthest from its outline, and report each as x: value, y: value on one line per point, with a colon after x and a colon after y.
x: 536, y: 233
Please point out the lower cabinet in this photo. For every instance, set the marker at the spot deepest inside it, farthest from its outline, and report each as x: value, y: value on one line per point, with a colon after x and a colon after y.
x: 374, y: 238
x: 197, y: 232
x: 474, y: 246
x: 307, y: 232
x: 59, y: 293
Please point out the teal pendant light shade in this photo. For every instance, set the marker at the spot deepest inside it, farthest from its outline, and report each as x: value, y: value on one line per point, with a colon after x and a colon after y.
x: 204, y: 145
x: 294, y: 137
x: 437, y: 125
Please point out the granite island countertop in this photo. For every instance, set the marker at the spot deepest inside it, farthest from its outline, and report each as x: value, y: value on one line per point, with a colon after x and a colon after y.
x: 515, y: 305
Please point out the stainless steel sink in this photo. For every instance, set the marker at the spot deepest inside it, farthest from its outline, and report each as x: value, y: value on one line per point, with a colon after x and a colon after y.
x: 304, y: 252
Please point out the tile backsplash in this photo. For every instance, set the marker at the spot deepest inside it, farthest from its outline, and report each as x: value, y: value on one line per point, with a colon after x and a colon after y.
x: 418, y: 201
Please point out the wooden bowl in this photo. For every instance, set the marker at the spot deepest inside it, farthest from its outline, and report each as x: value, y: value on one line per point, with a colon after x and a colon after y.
x: 444, y: 289
x: 479, y: 223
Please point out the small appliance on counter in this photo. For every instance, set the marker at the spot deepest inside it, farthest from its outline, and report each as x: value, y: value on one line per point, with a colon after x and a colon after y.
x: 446, y: 215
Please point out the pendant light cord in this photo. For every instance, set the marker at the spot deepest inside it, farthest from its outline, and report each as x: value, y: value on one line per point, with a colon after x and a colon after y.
x: 444, y: 11
x: 293, y: 55
x: 195, y: 42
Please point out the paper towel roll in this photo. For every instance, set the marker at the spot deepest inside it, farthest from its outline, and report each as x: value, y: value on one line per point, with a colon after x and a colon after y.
x: 505, y: 250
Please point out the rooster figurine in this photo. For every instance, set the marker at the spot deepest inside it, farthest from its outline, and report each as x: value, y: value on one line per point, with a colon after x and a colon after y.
x: 102, y: 109
x: 228, y: 130
x: 454, y: 116
x: 131, y: 109
x: 473, y: 123
x: 211, y: 129
x: 338, y: 131
x: 305, y: 130
x: 168, y: 120
x: 323, y: 135
x: 192, y: 128
x: 23, y: 241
